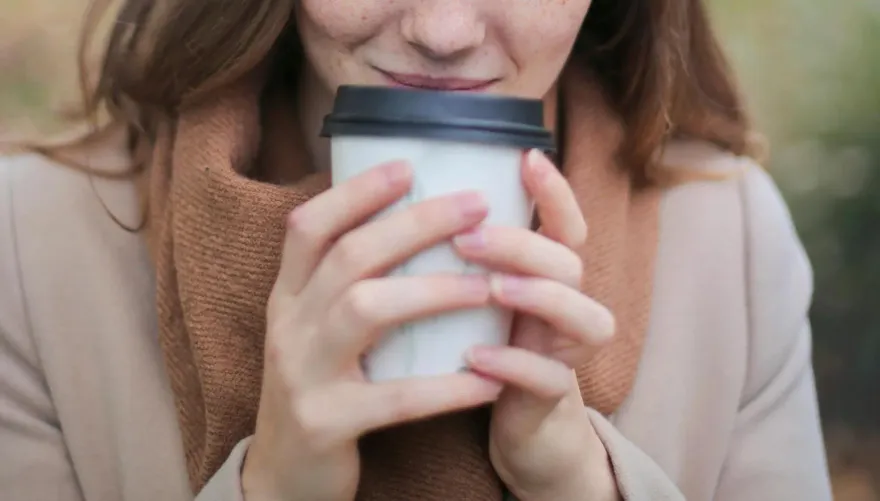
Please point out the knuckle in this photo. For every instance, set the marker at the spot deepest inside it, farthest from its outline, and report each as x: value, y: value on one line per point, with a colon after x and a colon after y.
x: 558, y: 382
x: 347, y: 255
x: 432, y: 215
x: 294, y: 220
x: 359, y: 305
x: 304, y: 230
x: 556, y: 392
x: 580, y: 233
x: 274, y: 352
x: 608, y: 325
x: 297, y: 223
x: 554, y: 292
x: 575, y: 271
x: 283, y: 366
x: 400, y: 405
x: 602, y: 325
x: 273, y: 306
x: 279, y: 302
x: 312, y: 423
x: 565, y: 381
x: 281, y: 316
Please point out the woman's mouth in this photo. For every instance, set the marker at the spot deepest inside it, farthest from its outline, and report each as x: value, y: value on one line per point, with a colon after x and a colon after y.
x: 433, y: 83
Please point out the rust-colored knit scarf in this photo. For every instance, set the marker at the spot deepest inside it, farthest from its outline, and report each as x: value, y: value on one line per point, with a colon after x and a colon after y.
x: 216, y: 235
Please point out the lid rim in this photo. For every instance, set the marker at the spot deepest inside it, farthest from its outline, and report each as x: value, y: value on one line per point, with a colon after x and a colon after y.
x: 462, y: 116
x: 461, y: 123
x: 542, y: 142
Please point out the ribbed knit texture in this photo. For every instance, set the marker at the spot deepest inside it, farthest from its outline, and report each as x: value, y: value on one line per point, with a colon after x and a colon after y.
x: 215, y: 237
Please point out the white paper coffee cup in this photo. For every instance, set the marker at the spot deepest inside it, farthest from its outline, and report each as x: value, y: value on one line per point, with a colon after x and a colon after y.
x: 454, y: 142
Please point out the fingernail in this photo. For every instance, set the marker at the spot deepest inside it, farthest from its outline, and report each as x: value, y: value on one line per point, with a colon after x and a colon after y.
x: 397, y: 173
x: 471, y: 204
x: 507, y: 286
x: 480, y: 354
x: 474, y: 240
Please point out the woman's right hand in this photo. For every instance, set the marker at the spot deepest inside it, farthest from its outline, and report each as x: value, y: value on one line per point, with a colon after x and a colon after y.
x: 328, y: 306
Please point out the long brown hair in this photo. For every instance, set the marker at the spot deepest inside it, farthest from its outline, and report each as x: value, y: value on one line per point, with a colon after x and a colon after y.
x: 658, y: 60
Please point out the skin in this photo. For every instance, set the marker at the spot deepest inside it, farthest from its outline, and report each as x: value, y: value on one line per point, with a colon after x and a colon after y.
x: 316, y: 402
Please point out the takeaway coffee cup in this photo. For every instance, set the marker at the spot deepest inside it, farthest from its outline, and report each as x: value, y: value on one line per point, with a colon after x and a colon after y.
x: 454, y: 142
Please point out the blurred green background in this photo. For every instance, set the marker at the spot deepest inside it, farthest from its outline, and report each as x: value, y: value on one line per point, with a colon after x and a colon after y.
x: 811, y: 71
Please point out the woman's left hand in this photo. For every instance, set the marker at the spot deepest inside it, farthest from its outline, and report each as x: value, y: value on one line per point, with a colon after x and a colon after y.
x: 542, y: 442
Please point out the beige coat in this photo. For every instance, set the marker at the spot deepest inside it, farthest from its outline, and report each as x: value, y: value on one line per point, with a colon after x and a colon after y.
x: 724, y: 406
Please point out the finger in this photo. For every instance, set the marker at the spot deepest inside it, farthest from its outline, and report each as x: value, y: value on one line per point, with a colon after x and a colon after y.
x: 316, y: 223
x: 543, y: 377
x: 343, y: 412
x: 521, y: 251
x: 555, y: 202
x: 573, y: 314
x: 371, y: 307
x: 534, y: 385
x: 377, y: 246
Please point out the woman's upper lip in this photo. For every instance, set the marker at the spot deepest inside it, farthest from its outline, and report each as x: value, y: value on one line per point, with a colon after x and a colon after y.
x: 435, y: 83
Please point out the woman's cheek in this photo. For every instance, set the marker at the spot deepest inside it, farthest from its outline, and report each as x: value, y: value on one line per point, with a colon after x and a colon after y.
x: 344, y: 22
x: 537, y: 29
x: 539, y: 40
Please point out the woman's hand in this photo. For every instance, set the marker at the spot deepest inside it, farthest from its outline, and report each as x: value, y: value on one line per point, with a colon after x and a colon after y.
x: 542, y: 443
x: 326, y: 309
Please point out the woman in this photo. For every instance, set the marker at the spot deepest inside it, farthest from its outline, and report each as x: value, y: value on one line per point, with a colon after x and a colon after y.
x: 667, y: 356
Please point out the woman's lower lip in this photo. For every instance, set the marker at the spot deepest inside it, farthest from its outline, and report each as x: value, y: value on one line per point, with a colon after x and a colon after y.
x: 423, y: 82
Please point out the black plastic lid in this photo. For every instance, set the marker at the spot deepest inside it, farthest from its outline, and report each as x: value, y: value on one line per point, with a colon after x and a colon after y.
x: 429, y: 114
